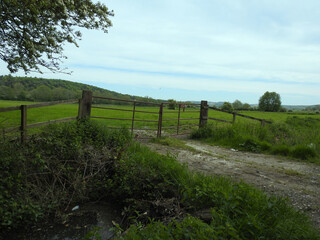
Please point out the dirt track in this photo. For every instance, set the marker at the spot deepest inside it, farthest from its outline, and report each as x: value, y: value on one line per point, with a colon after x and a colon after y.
x: 298, y: 181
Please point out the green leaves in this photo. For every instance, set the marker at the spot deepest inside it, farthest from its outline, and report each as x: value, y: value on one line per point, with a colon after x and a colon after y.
x: 33, y: 31
x: 270, y: 102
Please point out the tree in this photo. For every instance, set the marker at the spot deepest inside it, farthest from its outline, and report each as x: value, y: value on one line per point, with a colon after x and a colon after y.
x: 270, y: 102
x: 237, y: 105
x: 172, y: 104
x: 246, y: 106
x: 33, y: 32
x: 227, y: 107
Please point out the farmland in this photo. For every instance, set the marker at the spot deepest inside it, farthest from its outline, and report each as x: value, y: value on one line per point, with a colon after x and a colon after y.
x: 294, y: 134
x: 36, y: 177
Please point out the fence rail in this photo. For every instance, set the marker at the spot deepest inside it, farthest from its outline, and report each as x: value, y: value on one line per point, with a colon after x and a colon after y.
x: 85, y: 106
x: 23, y: 117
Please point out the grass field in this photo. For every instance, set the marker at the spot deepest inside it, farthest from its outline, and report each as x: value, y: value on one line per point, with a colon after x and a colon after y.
x: 10, y: 119
x: 287, y: 131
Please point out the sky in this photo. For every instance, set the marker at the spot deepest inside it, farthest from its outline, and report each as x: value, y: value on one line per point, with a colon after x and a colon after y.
x: 214, y: 50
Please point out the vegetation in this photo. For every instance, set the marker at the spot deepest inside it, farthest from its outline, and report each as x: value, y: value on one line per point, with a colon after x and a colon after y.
x: 172, y: 104
x: 227, y: 107
x: 41, y: 89
x: 270, y: 102
x: 165, y: 199
x: 160, y: 198
x: 33, y: 33
x: 64, y: 165
x: 295, y: 137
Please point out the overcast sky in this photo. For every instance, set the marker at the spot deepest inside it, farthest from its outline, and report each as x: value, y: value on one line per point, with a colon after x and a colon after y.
x: 215, y: 50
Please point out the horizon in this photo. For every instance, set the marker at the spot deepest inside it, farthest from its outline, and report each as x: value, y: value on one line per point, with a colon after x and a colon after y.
x: 194, y: 50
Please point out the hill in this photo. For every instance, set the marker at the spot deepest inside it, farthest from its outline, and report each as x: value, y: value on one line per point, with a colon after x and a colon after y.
x: 42, y: 89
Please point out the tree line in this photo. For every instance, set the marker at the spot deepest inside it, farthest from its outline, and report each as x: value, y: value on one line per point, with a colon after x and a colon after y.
x: 44, y: 90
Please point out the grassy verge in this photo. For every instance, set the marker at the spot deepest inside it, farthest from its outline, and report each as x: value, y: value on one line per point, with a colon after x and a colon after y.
x: 298, y: 138
x: 161, y: 199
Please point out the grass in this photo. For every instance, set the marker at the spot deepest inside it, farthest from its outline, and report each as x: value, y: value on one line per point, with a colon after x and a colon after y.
x: 298, y: 138
x: 159, y: 197
x: 294, y: 134
x: 156, y: 189
x: 173, y: 142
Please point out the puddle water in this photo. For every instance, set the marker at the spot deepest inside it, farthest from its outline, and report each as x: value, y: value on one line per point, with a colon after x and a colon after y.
x: 78, y: 223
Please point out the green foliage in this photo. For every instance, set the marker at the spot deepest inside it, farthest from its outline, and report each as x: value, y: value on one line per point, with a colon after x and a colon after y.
x: 296, y: 137
x: 188, y: 228
x: 303, y: 152
x: 65, y: 164
x: 227, y: 107
x: 33, y: 33
x: 158, y: 187
x: 172, y: 104
x: 270, y: 102
x: 41, y: 89
x: 237, y: 105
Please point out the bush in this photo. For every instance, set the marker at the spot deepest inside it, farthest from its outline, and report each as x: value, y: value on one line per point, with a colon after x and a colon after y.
x: 65, y: 164
x: 283, y: 150
x: 153, y: 186
x: 303, y: 152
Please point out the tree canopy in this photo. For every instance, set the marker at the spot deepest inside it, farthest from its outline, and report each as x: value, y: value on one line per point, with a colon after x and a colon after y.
x: 270, y: 102
x: 33, y: 32
x: 227, y: 107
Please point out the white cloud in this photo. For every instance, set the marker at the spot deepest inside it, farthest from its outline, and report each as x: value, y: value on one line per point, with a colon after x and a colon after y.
x: 231, y: 45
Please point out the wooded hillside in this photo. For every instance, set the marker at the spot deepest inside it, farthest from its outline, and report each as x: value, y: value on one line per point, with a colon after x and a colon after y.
x: 41, y: 89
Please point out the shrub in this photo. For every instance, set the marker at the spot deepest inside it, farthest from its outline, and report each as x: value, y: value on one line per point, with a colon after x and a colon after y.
x: 283, y: 150
x: 64, y: 164
x: 303, y: 152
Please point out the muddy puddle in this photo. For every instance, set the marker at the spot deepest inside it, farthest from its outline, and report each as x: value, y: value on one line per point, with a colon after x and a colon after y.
x: 97, y: 218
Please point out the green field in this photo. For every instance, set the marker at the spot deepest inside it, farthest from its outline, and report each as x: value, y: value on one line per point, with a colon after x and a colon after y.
x: 288, y: 130
x: 10, y: 119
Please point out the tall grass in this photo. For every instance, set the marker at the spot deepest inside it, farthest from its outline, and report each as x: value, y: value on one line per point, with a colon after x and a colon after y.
x: 83, y: 161
x: 295, y: 137
x: 156, y: 188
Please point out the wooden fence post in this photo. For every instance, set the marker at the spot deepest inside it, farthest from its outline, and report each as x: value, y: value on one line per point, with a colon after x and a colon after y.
x: 160, y: 120
x: 203, y: 114
x: 178, y: 119
x: 85, y: 104
x: 134, y: 111
x: 23, y: 127
x: 234, y: 118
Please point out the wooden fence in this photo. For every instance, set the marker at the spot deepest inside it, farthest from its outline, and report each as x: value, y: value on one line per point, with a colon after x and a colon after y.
x: 85, y: 106
x: 24, y: 117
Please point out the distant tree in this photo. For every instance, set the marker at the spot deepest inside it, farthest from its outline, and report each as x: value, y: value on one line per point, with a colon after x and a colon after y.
x: 33, y: 33
x: 227, y: 107
x: 270, y: 102
x: 172, y: 104
x: 246, y: 106
x: 237, y: 105
x: 42, y: 93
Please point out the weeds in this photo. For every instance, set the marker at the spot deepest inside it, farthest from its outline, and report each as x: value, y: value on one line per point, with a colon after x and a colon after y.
x: 167, y: 196
x: 296, y: 137
x: 65, y: 164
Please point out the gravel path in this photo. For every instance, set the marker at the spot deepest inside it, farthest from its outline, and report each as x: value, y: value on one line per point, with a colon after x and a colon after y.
x: 298, y: 181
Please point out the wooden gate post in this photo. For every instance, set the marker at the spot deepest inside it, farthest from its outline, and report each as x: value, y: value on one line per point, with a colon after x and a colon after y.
x: 160, y: 120
x: 203, y: 114
x: 85, y: 104
x: 23, y: 127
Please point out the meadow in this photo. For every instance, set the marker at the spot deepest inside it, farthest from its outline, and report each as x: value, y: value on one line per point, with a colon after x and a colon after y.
x: 293, y: 134
x: 10, y: 119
